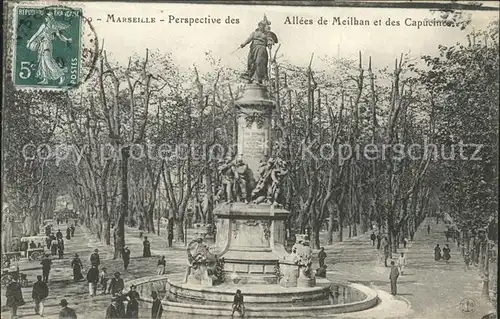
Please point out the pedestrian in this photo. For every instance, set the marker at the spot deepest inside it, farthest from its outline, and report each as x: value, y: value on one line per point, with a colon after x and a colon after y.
x: 412, y: 235
x: 394, y: 278
x: 116, y: 284
x: 385, y: 245
x: 428, y: 229
x: 160, y: 269
x: 447, y: 235
x: 72, y: 231
x: 133, y: 292
x: 446, y: 252
x: 146, y: 251
x: 321, y: 257
x: 48, y: 241
x: 77, y: 266
x: 46, y: 263
x: 59, y: 235
x: 401, y: 263
x: 132, y: 307
x: 53, y: 246
x: 66, y: 312
x: 238, y: 304
x: 93, y: 279
x: 170, y: 238
x: 405, y: 241
x: 40, y: 292
x: 60, y: 248
x: 94, y: 258
x: 113, y: 310
x: 68, y: 233
x: 157, y: 309
x: 379, y: 239
x: 467, y: 260
x: 126, y: 257
x: 437, y: 253
x: 372, y: 238
x: 104, y: 280
x: 14, y: 296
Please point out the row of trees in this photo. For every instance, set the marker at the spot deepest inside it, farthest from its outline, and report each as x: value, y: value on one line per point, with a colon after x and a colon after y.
x: 137, y: 137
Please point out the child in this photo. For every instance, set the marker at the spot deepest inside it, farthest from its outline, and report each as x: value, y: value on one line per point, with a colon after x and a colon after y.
x: 104, y: 280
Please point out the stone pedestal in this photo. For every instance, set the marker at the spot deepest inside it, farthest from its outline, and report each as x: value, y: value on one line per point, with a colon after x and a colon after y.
x: 251, y: 240
x: 254, y: 111
x: 200, y: 277
x: 290, y: 274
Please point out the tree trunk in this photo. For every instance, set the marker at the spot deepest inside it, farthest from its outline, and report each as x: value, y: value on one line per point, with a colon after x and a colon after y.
x: 330, y: 226
x: 120, y: 234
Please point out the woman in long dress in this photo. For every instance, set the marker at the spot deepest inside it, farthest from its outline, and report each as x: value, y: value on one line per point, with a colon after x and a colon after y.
x: 41, y: 42
x: 446, y: 253
x: 437, y: 253
x: 258, y: 57
x: 77, y: 266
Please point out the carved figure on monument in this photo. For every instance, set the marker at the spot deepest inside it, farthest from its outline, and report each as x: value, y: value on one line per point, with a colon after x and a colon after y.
x: 260, y: 192
x: 260, y: 41
x: 227, y: 171
x: 278, y: 174
x: 303, y: 252
x: 271, y: 176
x: 242, y: 180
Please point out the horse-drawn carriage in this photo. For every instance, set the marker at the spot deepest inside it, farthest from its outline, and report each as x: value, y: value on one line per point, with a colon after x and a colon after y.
x: 37, y: 252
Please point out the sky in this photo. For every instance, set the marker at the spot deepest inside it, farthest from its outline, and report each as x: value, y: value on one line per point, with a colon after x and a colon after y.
x: 188, y: 44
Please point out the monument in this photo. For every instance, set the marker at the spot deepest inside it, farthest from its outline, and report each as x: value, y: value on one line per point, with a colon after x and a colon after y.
x: 249, y: 252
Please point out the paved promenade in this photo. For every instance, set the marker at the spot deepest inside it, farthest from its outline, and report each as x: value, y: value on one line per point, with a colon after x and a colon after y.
x: 432, y: 289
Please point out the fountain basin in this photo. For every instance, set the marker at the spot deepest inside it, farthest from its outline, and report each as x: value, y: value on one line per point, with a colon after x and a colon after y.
x: 264, y: 301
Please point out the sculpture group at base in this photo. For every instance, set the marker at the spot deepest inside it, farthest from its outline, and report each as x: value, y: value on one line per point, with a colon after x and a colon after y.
x: 237, y: 180
x: 296, y: 268
x: 204, y: 268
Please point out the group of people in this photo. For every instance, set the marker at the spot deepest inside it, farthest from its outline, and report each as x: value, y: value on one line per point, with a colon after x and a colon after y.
x: 445, y: 253
x: 39, y: 294
x: 55, y: 242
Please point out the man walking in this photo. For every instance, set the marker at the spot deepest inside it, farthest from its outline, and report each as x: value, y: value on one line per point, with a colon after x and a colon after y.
x: 113, y: 310
x: 94, y: 258
x: 322, y: 257
x: 157, y: 309
x: 170, y: 238
x: 46, y: 263
x: 14, y: 296
x: 428, y: 229
x: 116, y: 285
x: 40, y: 292
x: 126, y: 257
x: 372, y: 238
x: 93, y: 279
x: 394, y: 278
x: 66, y: 312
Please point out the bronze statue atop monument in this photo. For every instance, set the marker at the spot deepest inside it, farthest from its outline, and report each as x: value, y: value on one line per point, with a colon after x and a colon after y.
x: 261, y: 40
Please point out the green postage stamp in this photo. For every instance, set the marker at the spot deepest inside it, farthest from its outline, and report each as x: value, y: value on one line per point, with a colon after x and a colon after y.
x: 47, y: 48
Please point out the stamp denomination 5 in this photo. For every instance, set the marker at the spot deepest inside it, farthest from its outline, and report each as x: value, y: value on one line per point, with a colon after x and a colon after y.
x: 48, y: 47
